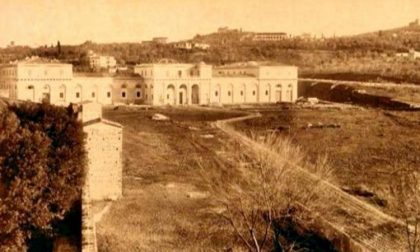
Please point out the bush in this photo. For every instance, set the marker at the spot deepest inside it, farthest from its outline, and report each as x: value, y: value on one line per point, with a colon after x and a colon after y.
x: 42, y: 160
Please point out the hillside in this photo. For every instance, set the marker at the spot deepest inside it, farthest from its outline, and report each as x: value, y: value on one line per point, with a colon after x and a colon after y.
x: 369, y: 56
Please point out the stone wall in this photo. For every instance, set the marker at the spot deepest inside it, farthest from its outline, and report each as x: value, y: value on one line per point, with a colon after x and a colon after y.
x: 104, y: 146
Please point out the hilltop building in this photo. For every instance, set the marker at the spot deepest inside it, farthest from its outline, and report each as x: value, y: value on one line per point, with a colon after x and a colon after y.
x: 188, y: 45
x: 98, y: 62
x: 154, y: 84
x: 160, y: 40
x: 415, y: 23
x: 269, y: 36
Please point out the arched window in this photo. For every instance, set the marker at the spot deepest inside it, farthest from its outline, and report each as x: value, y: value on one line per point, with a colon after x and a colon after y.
x: 229, y: 93
x: 138, y: 94
x: 253, y: 92
x: 216, y: 93
x: 242, y: 93
x: 123, y: 94
x: 62, y: 93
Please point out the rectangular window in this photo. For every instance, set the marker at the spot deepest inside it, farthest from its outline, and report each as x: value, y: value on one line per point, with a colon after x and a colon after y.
x: 123, y: 94
x: 77, y: 95
x: 61, y: 95
x: 93, y: 94
x: 138, y: 94
x: 216, y: 93
x: 108, y: 94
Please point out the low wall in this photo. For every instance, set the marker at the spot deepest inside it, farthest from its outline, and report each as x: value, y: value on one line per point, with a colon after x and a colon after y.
x: 347, y: 94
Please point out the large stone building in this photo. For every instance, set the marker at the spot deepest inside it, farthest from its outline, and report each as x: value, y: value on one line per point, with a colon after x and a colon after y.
x: 152, y: 84
x: 178, y: 84
x: 53, y: 82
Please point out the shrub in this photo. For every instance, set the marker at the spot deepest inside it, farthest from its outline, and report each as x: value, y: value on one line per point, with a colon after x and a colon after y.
x: 42, y: 161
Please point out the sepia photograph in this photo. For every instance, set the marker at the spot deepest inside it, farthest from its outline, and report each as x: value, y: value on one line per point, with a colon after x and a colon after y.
x: 210, y: 125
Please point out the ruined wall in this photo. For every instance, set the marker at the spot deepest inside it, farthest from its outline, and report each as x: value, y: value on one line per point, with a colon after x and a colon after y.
x: 104, y: 146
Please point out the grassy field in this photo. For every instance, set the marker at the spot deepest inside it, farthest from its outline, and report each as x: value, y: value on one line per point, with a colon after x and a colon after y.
x: 364, y: 146
x: 165, y: 206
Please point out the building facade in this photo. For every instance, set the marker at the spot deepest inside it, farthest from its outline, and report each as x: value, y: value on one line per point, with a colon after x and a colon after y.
x: 152, y: 84
x: 184, y: 84
x: 101, y: 61
x: 269, y: 36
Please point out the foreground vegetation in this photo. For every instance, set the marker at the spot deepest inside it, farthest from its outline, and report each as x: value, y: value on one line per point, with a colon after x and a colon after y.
x: 42, y: 161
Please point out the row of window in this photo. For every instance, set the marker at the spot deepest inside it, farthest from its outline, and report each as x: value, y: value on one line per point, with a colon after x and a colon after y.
x: 137, y: 86
x: 78, y: 95
x: 229, y: 93
x: 138, y: 95
x: 192, y: 72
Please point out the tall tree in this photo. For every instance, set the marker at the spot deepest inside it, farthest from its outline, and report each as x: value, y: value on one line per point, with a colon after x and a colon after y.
x: 58, y: 48
x: 42, y: 161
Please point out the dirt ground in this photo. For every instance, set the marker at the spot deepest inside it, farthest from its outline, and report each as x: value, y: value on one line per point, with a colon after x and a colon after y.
x: 364, y: 146
x: 165, y: 206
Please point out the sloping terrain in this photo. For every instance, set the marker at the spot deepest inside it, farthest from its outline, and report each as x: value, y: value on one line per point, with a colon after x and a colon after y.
x: 165, y: 206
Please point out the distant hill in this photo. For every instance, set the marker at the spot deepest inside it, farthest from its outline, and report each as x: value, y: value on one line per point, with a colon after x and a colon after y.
x: 405, y: 37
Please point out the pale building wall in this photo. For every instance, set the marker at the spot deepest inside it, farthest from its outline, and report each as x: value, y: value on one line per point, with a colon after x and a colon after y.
x: 177, y: 83
x: 158, y: 84
x: 132, y: 90
x: 104, y: 147
x: 95, y: 89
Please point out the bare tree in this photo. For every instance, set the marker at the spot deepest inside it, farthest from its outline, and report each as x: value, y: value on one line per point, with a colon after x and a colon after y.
x: 269, y: 189
x: 406, y: 190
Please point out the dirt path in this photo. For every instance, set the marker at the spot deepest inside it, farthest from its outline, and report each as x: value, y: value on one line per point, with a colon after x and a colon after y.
x: 165, y: 206
x: 365, y: 224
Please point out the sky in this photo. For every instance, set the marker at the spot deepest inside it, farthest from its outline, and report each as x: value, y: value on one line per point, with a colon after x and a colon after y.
x: 40, y: 22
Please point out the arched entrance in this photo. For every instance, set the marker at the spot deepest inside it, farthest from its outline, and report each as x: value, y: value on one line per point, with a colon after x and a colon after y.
x: 139, y: 93
x: 78, y: 93
x: 229, y: 94
x: 195, y: 94
x: 31, y: 93
x: 243, y: 93
x: 289, y: 93
x: 62, y: 93
x: 170, y: 95
x: 278, y: 93
x: 46, y: 94
x: 94, y: 95
x: 108, y: 95
x: 182, y: 94
x: 218, y: 94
